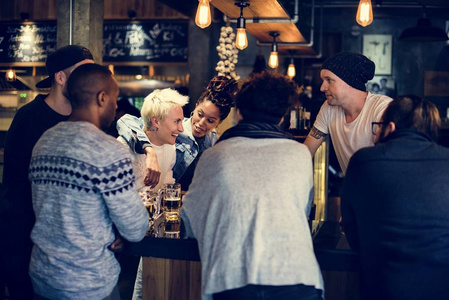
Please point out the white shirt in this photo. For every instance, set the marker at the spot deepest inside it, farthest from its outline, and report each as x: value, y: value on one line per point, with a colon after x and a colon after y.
x: 347, y: 138
x: 166, y: 157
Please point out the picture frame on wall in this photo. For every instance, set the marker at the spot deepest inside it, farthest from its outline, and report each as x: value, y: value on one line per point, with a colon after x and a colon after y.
x: 378, y: 48
x: 383, y: 85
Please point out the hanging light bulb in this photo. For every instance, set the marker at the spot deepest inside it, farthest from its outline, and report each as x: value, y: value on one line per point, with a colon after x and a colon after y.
x: 241, y: 41
x: 364, y: 13
x: 291, y: 71
x: 10, y: 75
x: 203, y: 18
x: 273, y: 61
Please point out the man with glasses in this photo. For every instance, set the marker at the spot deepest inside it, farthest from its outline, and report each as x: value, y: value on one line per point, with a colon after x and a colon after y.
x: 395, y: 205
x: 349, y: 109
x: 376, y: 126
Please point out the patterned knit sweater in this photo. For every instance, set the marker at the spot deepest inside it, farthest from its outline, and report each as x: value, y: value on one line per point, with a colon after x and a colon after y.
x: 82, y: 186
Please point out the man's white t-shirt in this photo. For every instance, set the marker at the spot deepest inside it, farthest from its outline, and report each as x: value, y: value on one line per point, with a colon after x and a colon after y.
x: 347, y: 138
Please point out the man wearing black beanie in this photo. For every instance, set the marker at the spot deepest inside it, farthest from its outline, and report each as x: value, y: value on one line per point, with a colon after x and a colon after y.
x: 349, y: 109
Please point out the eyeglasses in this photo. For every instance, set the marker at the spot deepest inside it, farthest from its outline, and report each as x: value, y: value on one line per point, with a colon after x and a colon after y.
x: 375, y: 126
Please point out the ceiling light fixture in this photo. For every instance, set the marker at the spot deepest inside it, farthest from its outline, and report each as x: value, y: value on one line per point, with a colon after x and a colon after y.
x: 10, y: 75
x: 291, y: 71
x: 241, y: 41
x: 364, y: 13
x: 424, y: 32
x: 273, y: 61
x: 203, y: 17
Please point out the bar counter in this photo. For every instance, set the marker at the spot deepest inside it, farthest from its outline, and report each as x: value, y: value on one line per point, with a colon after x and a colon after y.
x: 172, y: 268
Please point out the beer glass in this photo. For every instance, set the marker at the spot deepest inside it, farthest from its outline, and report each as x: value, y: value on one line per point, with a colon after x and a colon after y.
x: 172, y: 228
x: 171, y: 195
x: 147, y: 196
x: 150, y: 200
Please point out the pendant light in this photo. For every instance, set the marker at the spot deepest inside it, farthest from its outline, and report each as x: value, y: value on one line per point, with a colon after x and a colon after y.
x: 364, y: 13
x: 241, y: 41
x: 424, y: 32
x: 273, y: 61
x: 203, y: 17
x: 10, y: 75
x: 291, y: 71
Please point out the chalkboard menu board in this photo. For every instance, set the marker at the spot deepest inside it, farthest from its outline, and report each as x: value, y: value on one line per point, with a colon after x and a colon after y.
x: 28, y: 43
x: 156, y: 41
x: 147, y: 41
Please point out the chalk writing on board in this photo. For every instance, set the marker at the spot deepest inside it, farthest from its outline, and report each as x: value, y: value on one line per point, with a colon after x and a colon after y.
x: 27, y: 42
x: 147, y: 41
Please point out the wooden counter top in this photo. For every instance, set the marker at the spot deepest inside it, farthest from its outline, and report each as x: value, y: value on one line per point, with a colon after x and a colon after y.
x: 329, y: 245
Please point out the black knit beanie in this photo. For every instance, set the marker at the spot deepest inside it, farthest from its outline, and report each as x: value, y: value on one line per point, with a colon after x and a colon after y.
x: 353, y: 68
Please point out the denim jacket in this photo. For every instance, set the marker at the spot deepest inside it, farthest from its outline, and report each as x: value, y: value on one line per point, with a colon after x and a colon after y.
x: 131, y: 129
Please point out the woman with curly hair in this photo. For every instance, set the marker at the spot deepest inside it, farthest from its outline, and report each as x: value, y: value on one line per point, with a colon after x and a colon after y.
x: 211, y: 109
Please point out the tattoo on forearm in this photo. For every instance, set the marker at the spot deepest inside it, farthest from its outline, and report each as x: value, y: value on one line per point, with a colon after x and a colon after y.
x: 316, y: 133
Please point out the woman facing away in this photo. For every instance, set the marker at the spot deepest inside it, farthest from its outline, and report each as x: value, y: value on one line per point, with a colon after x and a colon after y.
x: 162, y: 117
x: 249, y: 191
x: 211, y: 109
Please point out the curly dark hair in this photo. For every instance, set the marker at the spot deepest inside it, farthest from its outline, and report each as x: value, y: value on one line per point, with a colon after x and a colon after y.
x: 220, y: 91
x: 265, y: 97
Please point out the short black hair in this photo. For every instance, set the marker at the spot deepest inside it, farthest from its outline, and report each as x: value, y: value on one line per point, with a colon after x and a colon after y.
x: 85, y: 82
x: 265, y: 97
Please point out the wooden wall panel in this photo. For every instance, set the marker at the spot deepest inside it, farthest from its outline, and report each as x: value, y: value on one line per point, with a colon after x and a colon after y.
x: 168, y: 279
x: 145, y: 9
x: 44, y: 9
x: 38, y: 9
x: 113, y: 9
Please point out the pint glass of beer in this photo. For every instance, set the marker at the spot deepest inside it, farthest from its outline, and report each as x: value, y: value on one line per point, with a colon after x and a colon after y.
x: 172, y: 228
x: 148, y: 197
x: 151, y: 201
x: 171, y: 193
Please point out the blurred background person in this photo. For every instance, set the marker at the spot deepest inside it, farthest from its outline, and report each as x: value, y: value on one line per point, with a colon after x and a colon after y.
x: 384, y: 89
x: 374, y: 88
x: 247, y: 194
x: 395, y: 205
x: 211, y: 109
x: 82, y: 187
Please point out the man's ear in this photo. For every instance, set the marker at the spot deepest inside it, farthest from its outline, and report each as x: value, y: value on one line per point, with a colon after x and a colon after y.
x: 238, y: 115
x: 155, y: 121
x: 60, y: 78
x: 390, y: 128
x: 101, y: 98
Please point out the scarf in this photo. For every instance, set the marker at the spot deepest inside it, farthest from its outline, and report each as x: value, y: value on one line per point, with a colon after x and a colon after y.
x: 255, y: 130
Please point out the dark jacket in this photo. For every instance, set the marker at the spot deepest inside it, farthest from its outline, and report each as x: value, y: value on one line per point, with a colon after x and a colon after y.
x: 395, y: 209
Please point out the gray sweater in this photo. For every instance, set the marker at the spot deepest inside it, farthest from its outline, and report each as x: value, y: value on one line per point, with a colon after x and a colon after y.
x: 247, y: 206
x: 82, y: 186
